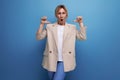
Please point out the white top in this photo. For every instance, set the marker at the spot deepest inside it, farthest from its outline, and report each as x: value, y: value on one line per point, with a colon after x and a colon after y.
x: 60, y: 30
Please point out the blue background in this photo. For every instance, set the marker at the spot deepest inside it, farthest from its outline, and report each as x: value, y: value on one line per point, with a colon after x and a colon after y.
x: 98, y: 58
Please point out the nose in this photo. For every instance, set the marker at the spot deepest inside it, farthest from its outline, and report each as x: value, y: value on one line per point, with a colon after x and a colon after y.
x: 61, y: 16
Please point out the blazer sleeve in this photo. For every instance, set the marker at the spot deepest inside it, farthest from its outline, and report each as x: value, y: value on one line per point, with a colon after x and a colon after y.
x: 81, y: 35
x: 42, y: 35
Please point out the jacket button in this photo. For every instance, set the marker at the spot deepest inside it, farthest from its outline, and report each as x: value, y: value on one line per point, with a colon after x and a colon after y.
x: 50, y: 51
x: 69, y: 52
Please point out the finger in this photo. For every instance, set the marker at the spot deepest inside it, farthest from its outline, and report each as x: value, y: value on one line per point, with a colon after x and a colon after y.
x: 44, y: 18
x: 75, y: 20
x: 79, y: 17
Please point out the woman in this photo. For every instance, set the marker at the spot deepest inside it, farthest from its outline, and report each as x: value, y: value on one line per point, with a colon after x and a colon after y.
x: 59, y: 54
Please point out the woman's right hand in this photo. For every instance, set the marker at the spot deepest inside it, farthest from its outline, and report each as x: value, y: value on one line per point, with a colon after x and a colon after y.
x: 44, y: 20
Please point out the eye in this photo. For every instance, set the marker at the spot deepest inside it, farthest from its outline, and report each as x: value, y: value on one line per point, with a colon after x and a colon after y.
x: 63, y: 13
x: 59, y: 13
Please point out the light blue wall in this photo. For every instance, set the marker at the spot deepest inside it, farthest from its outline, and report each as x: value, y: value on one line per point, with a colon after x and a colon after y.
x: 98, y: 58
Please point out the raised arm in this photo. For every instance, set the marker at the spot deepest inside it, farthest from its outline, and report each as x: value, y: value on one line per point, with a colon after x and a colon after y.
x: 42, y: 33
x: 80, y: 34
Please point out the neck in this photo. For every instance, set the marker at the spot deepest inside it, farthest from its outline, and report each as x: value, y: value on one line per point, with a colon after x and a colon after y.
x: 61, y: 23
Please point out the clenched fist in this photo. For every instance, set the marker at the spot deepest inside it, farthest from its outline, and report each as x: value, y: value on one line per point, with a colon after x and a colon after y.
x: 79, y: 19
x: 44, y: 20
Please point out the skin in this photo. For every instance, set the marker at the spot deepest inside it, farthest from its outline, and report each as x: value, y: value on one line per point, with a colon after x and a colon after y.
x: 61, y: 19
x: 61, y: 16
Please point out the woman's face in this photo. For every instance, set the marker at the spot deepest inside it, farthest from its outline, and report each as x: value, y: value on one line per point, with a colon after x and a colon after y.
x: 61, y: 16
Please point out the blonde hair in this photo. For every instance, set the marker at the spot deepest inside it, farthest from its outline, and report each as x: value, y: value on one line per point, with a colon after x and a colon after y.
x: 59, y: 7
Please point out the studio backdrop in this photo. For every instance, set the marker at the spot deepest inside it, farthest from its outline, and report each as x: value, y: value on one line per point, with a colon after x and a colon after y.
x: 98, y: 58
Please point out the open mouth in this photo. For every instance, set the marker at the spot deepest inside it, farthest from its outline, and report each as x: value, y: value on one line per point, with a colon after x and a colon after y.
x: 61, y: 19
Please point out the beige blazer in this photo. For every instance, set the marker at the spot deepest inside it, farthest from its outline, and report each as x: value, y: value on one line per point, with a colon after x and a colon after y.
x: 50, y: 55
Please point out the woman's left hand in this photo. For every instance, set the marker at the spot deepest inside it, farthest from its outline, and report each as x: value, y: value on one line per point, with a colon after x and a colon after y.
x: 79, y: 19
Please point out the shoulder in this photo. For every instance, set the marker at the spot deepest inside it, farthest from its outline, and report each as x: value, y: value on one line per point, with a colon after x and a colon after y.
x: 49, y: 26
x: 72, y: 26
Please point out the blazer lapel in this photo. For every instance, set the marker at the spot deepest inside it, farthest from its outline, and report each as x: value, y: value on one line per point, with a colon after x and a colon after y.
x: 56, y: 34
x: 65, y: 31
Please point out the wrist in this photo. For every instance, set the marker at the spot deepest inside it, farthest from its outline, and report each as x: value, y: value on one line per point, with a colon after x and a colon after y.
x: 41, y: 24
x: 81, y: 24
